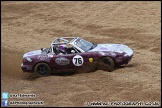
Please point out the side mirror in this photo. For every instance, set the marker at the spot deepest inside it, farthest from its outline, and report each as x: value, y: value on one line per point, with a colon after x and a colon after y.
x: 41, y: 49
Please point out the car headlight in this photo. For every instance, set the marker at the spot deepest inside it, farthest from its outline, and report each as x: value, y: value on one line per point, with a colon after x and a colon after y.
x: 24, y: 60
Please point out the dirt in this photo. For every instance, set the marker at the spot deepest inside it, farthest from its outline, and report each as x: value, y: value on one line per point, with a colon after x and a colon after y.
x: 28, y: 26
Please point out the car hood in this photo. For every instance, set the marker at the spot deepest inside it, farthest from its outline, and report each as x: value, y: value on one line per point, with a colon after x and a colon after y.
x: 120, y: 48
x: 31, y: 53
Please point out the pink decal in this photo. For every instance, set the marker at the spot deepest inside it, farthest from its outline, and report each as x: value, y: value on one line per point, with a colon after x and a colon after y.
x: 103, y: 48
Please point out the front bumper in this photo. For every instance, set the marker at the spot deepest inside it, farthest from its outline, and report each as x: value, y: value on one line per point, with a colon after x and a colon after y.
x: 27, y: 68
x: 123, y: 60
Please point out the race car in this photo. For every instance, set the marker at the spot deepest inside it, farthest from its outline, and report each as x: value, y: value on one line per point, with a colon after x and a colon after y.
x: 67, y: 54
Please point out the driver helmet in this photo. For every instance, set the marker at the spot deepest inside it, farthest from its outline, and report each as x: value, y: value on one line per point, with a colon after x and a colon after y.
x: 62, y: 48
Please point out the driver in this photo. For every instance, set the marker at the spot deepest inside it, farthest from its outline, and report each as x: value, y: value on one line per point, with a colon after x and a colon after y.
x: 62, y: 49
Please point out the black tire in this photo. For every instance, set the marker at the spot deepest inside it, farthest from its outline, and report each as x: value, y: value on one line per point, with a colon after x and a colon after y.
x: 106, y: 64
x: 42, y: 69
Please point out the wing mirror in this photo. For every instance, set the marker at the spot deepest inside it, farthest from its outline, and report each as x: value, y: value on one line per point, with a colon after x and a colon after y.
x: 41, y: 49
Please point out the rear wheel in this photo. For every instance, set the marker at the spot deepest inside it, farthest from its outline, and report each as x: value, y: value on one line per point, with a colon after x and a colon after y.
x: 42, y: 69
x: 106, y: 64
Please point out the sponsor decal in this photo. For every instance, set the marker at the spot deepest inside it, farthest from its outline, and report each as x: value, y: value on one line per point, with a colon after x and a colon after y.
x: 44, y: 58
x: 29, y: 59
x: 103, y: 48
x: 62, y: 61
x: 91, y: 60
x: 78, y: 60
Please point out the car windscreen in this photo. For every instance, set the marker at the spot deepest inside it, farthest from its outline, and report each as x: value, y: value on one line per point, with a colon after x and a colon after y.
x: 83, y: 44
x: 47, y: 50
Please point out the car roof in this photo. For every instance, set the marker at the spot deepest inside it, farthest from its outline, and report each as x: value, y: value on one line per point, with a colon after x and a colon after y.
x: 63, y: 40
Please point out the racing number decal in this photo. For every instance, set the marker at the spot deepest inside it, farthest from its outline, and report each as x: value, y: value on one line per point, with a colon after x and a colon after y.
x: 78, y: 60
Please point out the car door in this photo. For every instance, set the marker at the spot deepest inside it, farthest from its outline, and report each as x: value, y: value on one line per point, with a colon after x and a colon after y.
x: 88, y: 61
x: 72, y: 61
x: 68, y: 61
x: 61, y: 62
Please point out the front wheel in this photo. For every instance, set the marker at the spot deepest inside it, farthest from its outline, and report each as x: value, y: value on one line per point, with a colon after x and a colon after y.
x: 42, y: 69
x: 106, y: 63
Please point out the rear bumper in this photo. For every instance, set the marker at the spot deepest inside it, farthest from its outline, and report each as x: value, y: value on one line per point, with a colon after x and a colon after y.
x: 27, y: 68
